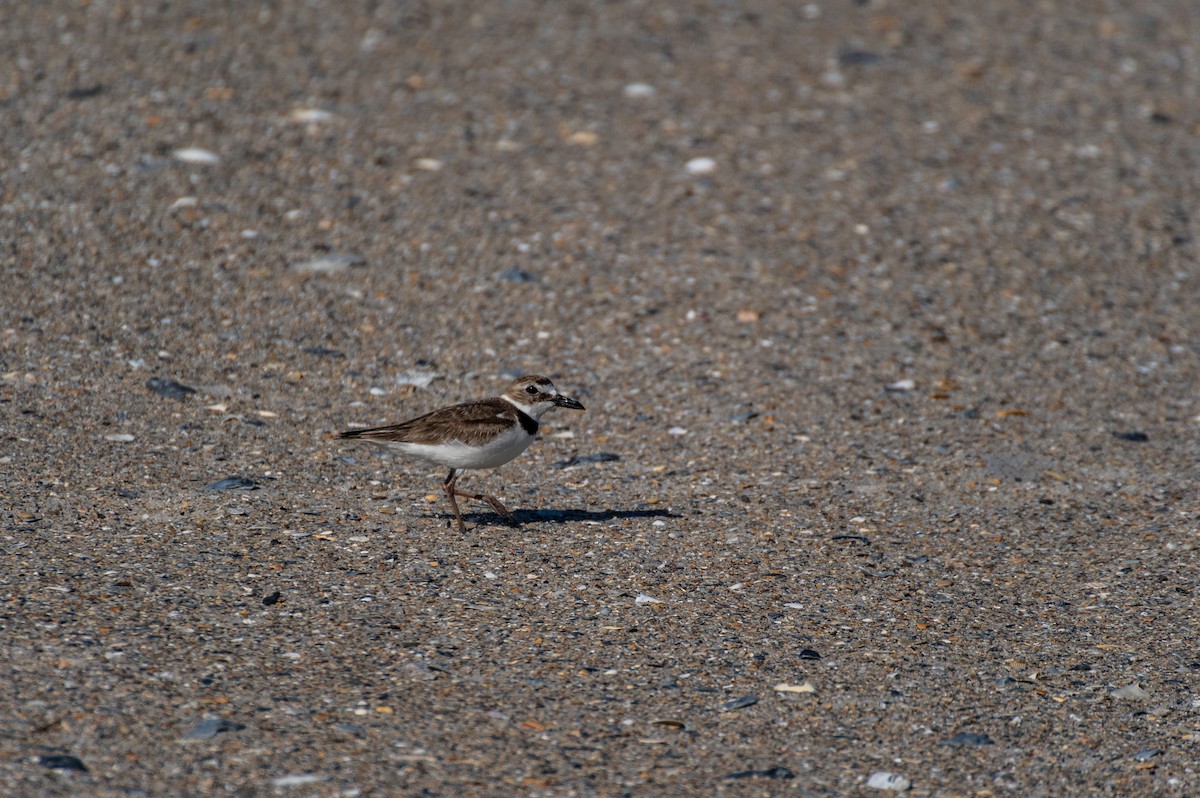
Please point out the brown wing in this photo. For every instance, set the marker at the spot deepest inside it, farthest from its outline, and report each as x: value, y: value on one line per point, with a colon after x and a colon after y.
x: 471, y: 423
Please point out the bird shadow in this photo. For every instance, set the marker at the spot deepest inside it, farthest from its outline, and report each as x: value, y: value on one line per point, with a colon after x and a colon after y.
x: 566, y: 516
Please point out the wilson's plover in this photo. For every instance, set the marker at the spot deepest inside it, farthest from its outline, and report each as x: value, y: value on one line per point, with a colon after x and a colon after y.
x: 483, y: 434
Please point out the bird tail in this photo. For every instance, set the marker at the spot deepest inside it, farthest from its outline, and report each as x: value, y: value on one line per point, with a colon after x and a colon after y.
x: 368, y: 434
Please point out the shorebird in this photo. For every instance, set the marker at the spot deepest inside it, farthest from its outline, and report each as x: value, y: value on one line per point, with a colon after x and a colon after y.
x: 483, y: 434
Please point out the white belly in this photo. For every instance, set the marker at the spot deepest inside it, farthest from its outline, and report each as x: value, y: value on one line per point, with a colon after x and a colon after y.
x: 456, y: 454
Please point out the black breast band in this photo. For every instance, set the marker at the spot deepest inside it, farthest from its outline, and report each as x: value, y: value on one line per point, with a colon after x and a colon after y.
x: 528, y: 423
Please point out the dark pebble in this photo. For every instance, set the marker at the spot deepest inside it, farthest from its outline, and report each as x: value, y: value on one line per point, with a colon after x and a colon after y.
x: 860, y: 539
x: 233, y: 483
x: 772, y: 773
x: 1132, y: 437
x: 322, y: 351
x: 808, y: 653
x: 351, y: 728
x: 86, y: 92
x: 211, y: 727
x: 857, y: 57
x: 169, y: 388
x: 518, y: 275
x: 739, y: 703
x: 62, y: 762
x: 598, y: 457
x: 271, y: 599
x: 968, y: 738
x: 671, y: 723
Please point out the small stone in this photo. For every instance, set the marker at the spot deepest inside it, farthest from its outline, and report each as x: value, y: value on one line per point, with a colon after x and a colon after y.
x: 671, y: 723
x: 271, y: 599
x: 232, y: 483
x: 86, y: 92
x: 309, y: 116
x: 639, y: 90
x: 748, y: 316
x: 857, y: 57
x: 1132, y: 437
x: 806, y: 687
x: 62, y: 762
x: 739, y: 703
x: 298, y: 780
x: 196, y: 155
x: 119, y: 437
x: 518, y: 275
x: 169, y: 388
x: 1133, y: 691
x: 701, y: 166
x: 421, y: 670
x: 428, y: 164
x: 1147, y: 754
x: 677, y: 431
x: 329, y: 263
x: 883, y: 780
x: 776, y: 772
x: 967, y: 738
x: 808, y: 653
x: 211, y: 727
x: 419, y: 378
x: 901, y: 386
x: 583, y: 138
x: 323, y: 351
x: 584, y: 459
x: 644, y: 599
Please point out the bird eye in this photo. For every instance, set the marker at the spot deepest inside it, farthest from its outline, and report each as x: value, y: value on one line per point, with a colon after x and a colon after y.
x: 531, y: 390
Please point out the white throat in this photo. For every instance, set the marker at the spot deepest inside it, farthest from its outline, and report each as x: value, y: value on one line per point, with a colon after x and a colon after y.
x: 533, y: 411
